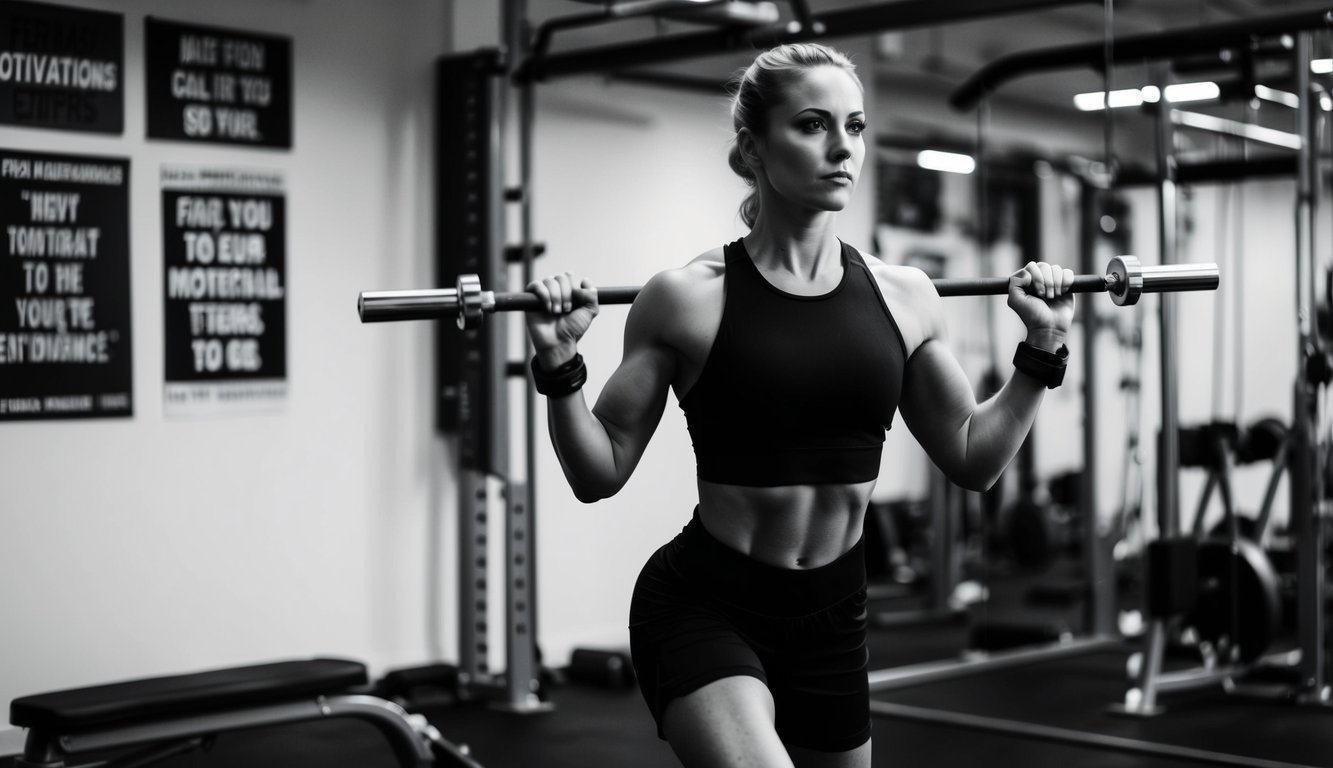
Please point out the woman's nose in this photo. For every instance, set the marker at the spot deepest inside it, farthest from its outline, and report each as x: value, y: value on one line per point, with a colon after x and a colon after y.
x: 840, y: 148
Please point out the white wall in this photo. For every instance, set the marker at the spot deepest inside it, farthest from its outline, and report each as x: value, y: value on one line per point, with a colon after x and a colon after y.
x: 145, y: 545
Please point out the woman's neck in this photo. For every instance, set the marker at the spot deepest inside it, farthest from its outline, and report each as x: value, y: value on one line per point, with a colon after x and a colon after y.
x: 802, y: 246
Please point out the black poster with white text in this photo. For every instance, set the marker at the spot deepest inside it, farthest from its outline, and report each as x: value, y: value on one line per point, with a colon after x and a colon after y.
x: 64, y: 287
x: 61, y: 68
x: 225, y: 307
x: 218, y: 85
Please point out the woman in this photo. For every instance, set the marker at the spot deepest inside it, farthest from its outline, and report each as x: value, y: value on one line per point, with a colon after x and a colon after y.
x: 789, y: 352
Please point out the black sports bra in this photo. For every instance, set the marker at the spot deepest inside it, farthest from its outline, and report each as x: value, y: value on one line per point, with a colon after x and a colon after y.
x: 796, y: 390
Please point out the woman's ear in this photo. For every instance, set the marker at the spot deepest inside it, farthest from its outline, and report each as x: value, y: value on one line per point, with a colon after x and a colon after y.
x: 748, y: 144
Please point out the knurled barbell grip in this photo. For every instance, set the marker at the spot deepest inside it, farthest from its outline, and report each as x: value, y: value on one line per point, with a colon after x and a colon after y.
x: 527, y: 302
x: 997, y: 286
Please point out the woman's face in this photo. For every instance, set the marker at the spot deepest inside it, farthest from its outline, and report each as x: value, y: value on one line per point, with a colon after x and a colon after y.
x: 812, y: 150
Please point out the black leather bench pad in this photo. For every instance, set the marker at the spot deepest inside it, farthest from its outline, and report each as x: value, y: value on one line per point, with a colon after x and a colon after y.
x: 154, y: 698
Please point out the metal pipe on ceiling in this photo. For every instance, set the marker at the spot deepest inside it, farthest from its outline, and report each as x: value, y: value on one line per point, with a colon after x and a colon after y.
x: 856, y: 21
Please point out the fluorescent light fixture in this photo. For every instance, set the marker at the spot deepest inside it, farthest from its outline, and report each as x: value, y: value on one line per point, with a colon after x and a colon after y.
x: 1321, y: 66
x: 1128, y: 97
x: 1192, y: 92
x: 949, y: 162
x: 1149, y: 94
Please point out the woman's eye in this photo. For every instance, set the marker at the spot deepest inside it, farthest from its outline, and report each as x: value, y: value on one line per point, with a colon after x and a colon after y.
x: 856, y: 128
x: 813, y: 124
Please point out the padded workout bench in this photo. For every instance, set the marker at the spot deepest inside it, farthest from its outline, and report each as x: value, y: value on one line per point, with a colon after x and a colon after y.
x: 162, y: 717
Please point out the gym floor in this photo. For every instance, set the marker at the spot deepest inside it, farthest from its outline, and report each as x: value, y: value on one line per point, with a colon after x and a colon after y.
x: 594, y: 727
x: 597, y: 727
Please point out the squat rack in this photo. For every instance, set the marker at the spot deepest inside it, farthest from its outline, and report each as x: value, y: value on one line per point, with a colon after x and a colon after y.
x: 483, y: 403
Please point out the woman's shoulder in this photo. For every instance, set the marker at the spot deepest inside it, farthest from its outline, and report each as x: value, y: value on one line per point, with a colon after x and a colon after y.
x: 904, y: 281
x: 688, y: 283
x: 912, y: 298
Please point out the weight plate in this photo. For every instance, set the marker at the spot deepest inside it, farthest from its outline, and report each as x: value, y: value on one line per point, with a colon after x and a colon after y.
x: 1239, y: 603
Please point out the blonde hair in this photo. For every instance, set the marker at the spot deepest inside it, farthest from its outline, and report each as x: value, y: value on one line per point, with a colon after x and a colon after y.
x: 759, y: 88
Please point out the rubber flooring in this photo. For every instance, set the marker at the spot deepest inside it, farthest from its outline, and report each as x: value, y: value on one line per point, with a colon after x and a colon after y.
x: 1074, y: 693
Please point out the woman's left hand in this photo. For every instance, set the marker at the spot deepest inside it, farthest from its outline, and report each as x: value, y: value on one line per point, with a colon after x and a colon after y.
x: 1039, y: 295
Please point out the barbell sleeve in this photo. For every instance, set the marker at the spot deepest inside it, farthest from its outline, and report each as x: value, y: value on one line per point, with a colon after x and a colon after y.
x: 1125, y: 280
x: 424, y: 304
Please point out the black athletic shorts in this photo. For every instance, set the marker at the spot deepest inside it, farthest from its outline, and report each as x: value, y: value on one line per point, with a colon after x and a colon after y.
x: 702, y: 611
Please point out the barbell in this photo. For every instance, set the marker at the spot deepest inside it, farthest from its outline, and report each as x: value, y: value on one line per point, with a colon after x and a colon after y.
x: 1125, y: 279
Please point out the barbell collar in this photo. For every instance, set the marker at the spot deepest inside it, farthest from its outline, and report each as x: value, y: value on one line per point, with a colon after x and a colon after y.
x: 1125, y: 275
x: 472, y: 302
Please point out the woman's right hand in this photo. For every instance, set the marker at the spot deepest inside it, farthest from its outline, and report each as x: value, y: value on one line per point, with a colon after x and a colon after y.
x: 555, y: 333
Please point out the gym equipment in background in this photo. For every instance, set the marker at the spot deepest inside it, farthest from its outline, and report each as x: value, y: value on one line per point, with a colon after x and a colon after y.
x: 140, y: 722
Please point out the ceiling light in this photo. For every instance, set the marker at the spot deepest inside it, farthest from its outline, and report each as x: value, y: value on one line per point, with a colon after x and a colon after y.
x: 1129, y: 97
x: 949, y: 162
x: 1192, y: 92
x: 1149, y: 94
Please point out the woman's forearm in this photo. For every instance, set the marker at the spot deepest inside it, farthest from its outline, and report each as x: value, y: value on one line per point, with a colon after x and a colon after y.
x: 999, y: 425
x: 997, y: 430
x: 584, y: 447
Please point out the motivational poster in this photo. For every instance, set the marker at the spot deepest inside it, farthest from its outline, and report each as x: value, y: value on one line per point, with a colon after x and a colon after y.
x: 225, y: 283
x: 217, y: 85
x: 65, y: 348
x: 61, y: 68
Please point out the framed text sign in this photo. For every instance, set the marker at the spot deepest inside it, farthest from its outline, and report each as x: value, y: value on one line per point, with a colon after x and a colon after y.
x: 61, y: 68
x: 65, y: 347
x: 217, y: 85
x: 225, y: 304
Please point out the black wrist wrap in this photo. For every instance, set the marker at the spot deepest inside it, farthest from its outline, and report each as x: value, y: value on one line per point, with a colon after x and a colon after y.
x: 1047, y: 368
x: 565, y: 380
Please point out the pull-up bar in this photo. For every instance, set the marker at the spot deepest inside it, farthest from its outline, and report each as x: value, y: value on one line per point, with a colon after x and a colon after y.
x: 1156, y: 46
